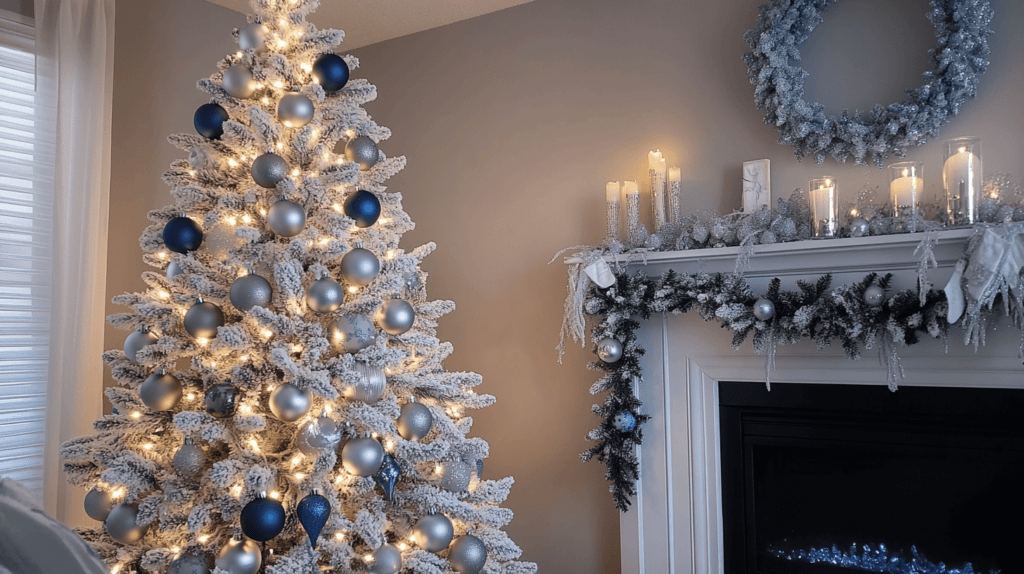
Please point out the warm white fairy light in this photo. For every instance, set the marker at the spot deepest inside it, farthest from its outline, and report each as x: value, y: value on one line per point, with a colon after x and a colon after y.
x: 368, y: 558
x: 325, y: 241
x: 306, y: 67
x: 353, y: 289
x: 232, y: 162
x: 246, y: 409
x: 336, y: 207
x: 243, y: 358
x: 246, y: 218
x: 295, y: 172
x: 339, y: 535
x: 382, y: 220
x: 119, y: 493
x: 236, y: 490
x: 279, y: 146
x: 163, y: 294
x: 438, y: 469
x: 202, y: 341
x: 238, y: 54
x: 204, y: 538
x: 296, y: 460
x: 300, y: 475
x: 403, y: 546
x: 115, y: 569
x: 136, y: 414
x: 275, y: 494
x: 265, y: 101
x: 176, y: 549
x: 267, y: 333
x: 255, y: 446
x: 391, y: 254
x: 191, y: 396
x: 231, y: 220
x: 148, y: 446
x: 162, y: 255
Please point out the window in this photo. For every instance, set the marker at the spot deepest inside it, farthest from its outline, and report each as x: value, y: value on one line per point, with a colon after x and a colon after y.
x: 26, y: 224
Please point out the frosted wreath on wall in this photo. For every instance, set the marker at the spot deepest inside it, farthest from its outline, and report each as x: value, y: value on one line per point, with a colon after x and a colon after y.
x: 958, y: 60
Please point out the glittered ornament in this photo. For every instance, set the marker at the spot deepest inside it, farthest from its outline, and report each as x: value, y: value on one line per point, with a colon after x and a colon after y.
x: 385, y: 560
x: 433, y: 532
x: 182, y: 235
x: 189, y: 459
x: 174, y: 269
x: 250, y: 291
x: 240, y: 557
x: 313, y: 512
x: 362, y: 150
x: 269, y: 169
x: 238, y: 81
x: 352, y: 333
x: 253, y: 37
x: 859, y: 227
x: 221, y: 399
x: 160, y: 391
x: 370, y: 386
x: 318, y: 437
x: 415, y: 421
x: 209, y: 121
x: 331, y: 72
x: 874, y: 296
x: 362, y: 456
x: 136, y: 340
x: 121, y: 524
x: 262, y: 518
x: 624, y: 421
x: 295, y: 110
x: 290, y: 403
x: 467, y: 555
x: 764, y: 309
x: 221, y: 240
x: 199, y: 158
x: 192, y: 562
x: 359, y: 267
x: 98, y: 504
x: 363, y: 207
x: 286, y: 218
x: 609, y: 350
x: 387, y: 476
x: 202, y: 319
x: 396, y: 316
x: 456, y: 476
x: 324, y: 295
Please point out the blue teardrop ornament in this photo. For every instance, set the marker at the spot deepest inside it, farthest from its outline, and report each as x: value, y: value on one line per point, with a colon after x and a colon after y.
x: 388, y: 475
x: 313, y: 512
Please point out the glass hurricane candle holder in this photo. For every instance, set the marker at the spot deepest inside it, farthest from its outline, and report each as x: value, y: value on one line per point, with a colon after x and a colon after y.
x: 612, y: 207
x: 824, y: 200
x: 906, y: 188
x: 962, y: 179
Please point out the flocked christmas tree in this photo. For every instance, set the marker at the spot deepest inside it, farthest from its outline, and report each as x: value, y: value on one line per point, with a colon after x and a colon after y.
x: 282, y: 406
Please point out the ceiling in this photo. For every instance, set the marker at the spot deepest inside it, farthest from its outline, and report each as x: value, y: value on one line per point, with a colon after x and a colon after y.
x: 370, y: 21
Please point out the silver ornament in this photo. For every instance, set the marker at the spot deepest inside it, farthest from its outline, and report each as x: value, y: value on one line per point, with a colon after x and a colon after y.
x: 455, y: 476
x: 860, y: 227
x: 295, y: 110
x: 221, y: 239
x: 609, y: 350
x: 268, y: 169
x: 360, y: 267
x: 136, y: 340
x: 764, y: 309
x: 874, y: 296
x: 253, y: 37
x: 290, y: 403
x: 385, y: 560
x: 396, y: 316
x: 363, y: 151
x: 190, y: 563
x: 240, y: 557
x: 352, y: 333
x: 251, y: 291
x: 362, y: 456
x: 160, y: 391
x: 433, y: 532
x: 121, y: 524
x: 202, y: 319
x: 220, y: 400
x: 189, y: 459
x: 174, y: 269
x: 238, y: 81
x: 468, y: 555
x: 318, y: 436
x: 324, y: 295
x: 415, y: 421
x: 98, y: 504
x: 370, y: 387
x: 198, y: 158
x: 286, y: 218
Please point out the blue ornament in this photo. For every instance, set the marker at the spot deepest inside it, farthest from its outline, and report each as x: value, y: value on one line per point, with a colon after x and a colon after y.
x: 624, y: 421
x: 182, y: 235
x: 331, y: 71
x: 364, y: 207
x: 388, y: 475
x: 262, y: 519
x: 313, y: 512
x: 209, y: 121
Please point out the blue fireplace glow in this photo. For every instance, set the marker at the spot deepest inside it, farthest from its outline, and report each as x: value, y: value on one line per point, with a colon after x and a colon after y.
x: 869, y: 558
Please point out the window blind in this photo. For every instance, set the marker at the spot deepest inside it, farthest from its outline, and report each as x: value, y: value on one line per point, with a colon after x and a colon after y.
x: 26, y: 224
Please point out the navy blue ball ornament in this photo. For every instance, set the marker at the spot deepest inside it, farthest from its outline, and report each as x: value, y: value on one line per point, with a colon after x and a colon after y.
x: 364, y: 207
x: 182, y: 235
x: 388, y: 475
x: 331, y: 72
x: 313, y: 512
x: 263, y: 518
x: 624, y: 421
x: 209, y: 121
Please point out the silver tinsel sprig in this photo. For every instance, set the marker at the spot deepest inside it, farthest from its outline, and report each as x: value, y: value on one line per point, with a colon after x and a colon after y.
x: 868, y: 558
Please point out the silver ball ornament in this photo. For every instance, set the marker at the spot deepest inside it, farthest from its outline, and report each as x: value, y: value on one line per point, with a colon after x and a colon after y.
x: 286, y: 218
x: 189, y: 459
x: 121, y: 524
x: 360, y: 267
x: 362, y: 456
x: 202, y: 319
x: 295, y: 110
x: 396, y: 316
x: 456, y: 476
x: 160, y: 391
x: 238, y: 81
x: 609, y: 350
x: 433, y: 532
x: 251, y: 291
x: 135, y: 341
x: 352, y: 333
x: 198, y: 158
x: 324, y: 295
x: 174, y: 269
x: 98, y: 504
x: 859, y: 227
x: 386, y: 560
x: 764, y: 309
x: 370, y: 387
x: 415, y: 421
x: 221, y: 240
x: 362, y: 150
x: 253, y: 37
x: 874, y: 296
x: 240, y: 557
x: 268, y: 169
x: 468, y: 555
x: 190, y: 563
x: 220, y: 400
x: 290, y: 403
x: 318, y: 436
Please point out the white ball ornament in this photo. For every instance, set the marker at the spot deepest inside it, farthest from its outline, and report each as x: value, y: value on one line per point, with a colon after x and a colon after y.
x: 295, y: 110
x: 136, y: 340
x: 874, y: 296
x: 396, y: 316
x: 121, y: 524
x: 238, y: 81
x: 286, y: 218
x: 290, y: 403
x: 764, y: 309
x: 468, y: 555
x: 362, y: 456
x: 240, y: 557
x: 160, y: 391
x: 433, y: 532
x: 324, y: 295
x: 253, y: 37
x: 609, y: 350
x: 386, y: 560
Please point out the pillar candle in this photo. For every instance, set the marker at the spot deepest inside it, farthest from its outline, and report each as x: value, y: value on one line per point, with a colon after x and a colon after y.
x: 824, y: 207
x: 906, y: 190
x: 632, y: 194
x: 962, y: 175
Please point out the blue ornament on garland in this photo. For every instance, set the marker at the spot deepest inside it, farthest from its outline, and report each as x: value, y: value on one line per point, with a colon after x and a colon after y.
x: 262, y: 519
x: 209, y: 121
x: 624, y: 421
x: 313, y: 512
x: 182, y: 235
x: 388, y: 475
x: 364, y: 207
x: 331, y: 71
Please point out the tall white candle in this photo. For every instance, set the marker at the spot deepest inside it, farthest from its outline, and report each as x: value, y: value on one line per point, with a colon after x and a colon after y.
x: 612, y: 197
x: 906, y: 190
x: 824, y: 208
x: 656, y: 167
x: 675, y: 195
x: 962, y: 176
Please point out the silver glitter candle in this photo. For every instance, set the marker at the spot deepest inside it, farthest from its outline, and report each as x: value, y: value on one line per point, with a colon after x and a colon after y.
x: 633, y: 225
x: 675, y: 196
x: 613, y: 205
x: 656, y: 172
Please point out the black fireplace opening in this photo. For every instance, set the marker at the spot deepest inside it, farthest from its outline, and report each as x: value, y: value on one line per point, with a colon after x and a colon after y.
x: 820, y: 479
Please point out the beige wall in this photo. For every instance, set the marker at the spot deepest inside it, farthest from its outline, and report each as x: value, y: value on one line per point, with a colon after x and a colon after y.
x: 512, y: 123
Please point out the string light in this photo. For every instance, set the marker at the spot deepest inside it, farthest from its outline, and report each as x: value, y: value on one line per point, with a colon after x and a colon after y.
x: 176, y: 550
x: 382, y: 220
x: 231, y: 220
x: 246, y: 218
x: 279, y: 84
x: 136, y: 414
x: 339, y: 535
x: 191, y: 396
x: 162, y: 255
x: 238, y: 54
x: 202, y: 341
x: 295, y: 172
x: 299, y: 475
x: 353, y: 289
x: 254, y: 445
x: 163, y: 294
x: 275, y: 495
x: 204, y: 538
x: 267, y: 333
x: 391, y: 254
x: 337, y: 207
x: 265, y: 100
x: 115, y: 569
x: 148, y: 446
x: 236, y: 490
x: 246, y: 409
x: 296, y: 348
x: 296, y: 460
x: 232, y: 162
x: 403, y: 546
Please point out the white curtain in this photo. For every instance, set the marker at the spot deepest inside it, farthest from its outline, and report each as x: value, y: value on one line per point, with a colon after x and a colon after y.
x: 75, y: 43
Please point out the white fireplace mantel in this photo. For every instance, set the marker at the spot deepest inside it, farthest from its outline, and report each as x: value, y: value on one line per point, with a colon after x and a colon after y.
x: 675, y: 524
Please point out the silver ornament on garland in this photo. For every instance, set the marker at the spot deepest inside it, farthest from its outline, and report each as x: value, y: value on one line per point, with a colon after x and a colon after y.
x: 192, y: 562
x: 202, y: 319
x: 468, y: 555
x: 189, y: 459
x: 874, y: 296
x: 121, y: 524
x: 360, y: 267
x: 160, y: 391
x: 624, y: 421
x: 370, y: 387
x: 251, y: 291
x: 859, y: 227
x: 286, y: 218
x: 609, y: 350
x: 253, y: 37
x: 456, y: 476
x: 295, y: 110
x: 174, y: 269
x: 415, y: 421
x: 362, y: 150
x: 396, y: 316
x: 269, y: 169
x: 290, y: 403
x: 362, y: 456
x: 240, y: 557
x: 220, y: 400
x: 238, y: 81
x: 324, y: 295
x: 318, y: 436
x: 352, y: 333
x: 433, y: 532
x: 385, y: 560
x: 764, y: 309
x: 98, y: 504
x: 136, y: 340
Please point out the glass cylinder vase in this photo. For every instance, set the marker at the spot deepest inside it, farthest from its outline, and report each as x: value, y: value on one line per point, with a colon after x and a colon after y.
x: 906, y: 188
x: 824, y: 200
x: 612, y: 202
x: 962, y: 178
